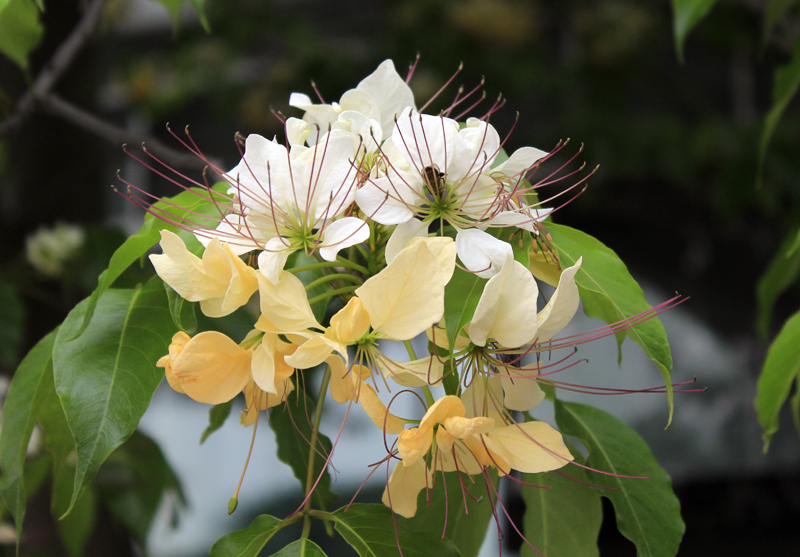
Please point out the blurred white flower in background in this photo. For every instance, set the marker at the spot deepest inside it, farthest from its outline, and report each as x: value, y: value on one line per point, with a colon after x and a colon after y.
x: 50, y: 248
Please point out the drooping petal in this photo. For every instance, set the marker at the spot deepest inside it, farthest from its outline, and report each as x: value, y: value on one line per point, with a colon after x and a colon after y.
x: 184, y: 272
x: 272, y: 260
x: 506, y: 310
x: 403, y: 233
x: 268, y: 366
x: 315, y: 351
x: 521, y: 160
x: 285, y: 304
x: 530, y: 447
x: 242, y: 283
x: 561, y: 307
x: 412, y: 444
x: 296, y: 131
x: 525, y: 219
x: 444, y: 248
x: 407, y: 296
x: 482, y: 253
x: 351, y: 322
x: 377, y: 411
x: 404, y: 486
x: 342, y: 233
x: 521, y: 392
x: 212, y: 368
x: 484, y: 397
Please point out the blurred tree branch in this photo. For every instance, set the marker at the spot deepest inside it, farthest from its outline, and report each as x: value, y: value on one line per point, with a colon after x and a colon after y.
x: 40, y: 96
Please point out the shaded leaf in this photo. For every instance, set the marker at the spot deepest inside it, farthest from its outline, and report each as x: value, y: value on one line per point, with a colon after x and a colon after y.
x: 796, y: 404
x: 647, y: 510
x: 200, y: 8
x: 249, y: 541
x: 28, y: 388
x: 186, y: 207
x: 781, y: 367
x: 75, y: 528
x: 216, y: 417
x: 686, y: 14
x: 782, y: 271
x: 461, y: 297
x: 106, y: 378
x: 182, y: 311
x: 609, y: 292
x: 784, y: 88
x: 301, y: 548
x: 12, y: 320
x: 773, y: 12
x: 134, y: 480
x: 174, y: 9
x: 20, y: 30
x: 291, y: 423
x: 466, y: 526
x: 564, y: 520
x: 373, y: 532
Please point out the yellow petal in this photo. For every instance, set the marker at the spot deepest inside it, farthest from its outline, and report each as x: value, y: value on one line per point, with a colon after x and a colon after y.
x: 242, y: 282
x: 407, y: 296
x: 544, y: 266
x: 314, y: 351
x: 561, y: 307
x: 461, y: 428
x: 412, y: 444
x: 342, y: 388
x: 285, y: 304
x: 212, y: 368
x: 351, y: 322
x: 418, y: 373
x: 376, y: 410
x: 268, y: 366
x: 184, y: 272
x: 530, y: 447
x: 404, y: 486
x: 444, y: 248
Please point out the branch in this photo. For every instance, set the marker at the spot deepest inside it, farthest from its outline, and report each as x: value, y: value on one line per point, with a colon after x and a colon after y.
x: 56, y: 66
x: 56, y: 106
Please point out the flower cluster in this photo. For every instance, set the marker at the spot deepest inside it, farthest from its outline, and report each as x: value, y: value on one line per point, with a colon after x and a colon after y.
x: 393, y: 207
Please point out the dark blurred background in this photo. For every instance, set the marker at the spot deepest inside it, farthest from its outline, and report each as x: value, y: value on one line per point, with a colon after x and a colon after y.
x: 676, y: 194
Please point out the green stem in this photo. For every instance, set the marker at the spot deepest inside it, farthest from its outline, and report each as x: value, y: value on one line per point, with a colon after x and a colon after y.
x: 328, y: 278
x: 312, y: 266
x: 410, y: 349
x: 310, y: 477
x: 332, y: 293
x: 342, y: 262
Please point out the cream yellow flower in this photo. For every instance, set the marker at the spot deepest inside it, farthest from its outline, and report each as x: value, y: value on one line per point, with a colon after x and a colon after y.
x: 220, y: 281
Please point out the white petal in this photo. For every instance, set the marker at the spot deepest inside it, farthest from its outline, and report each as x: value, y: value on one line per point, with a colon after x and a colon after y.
x: 272, y: 260
x: 427, y: 140
x: 481, y: 252
x: 390, y: 199
x: 524, y: 219
x: 482, y: 143
x: 238, y: 232
x: 522, y: 159
x: 520, y: 393
x: 403, y: 233
x: 390, y: 92
x: 341, y: 234
x: 285, y: 304
x: 562, y: 304
x: 506, y: 311
x: 296, y: 131
x: 367, y: 128
x: 263, y: 173
x: 357, y: 100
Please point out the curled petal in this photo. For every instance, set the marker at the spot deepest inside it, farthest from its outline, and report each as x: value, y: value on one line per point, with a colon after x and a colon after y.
x: 482, y: 253
x: 341, y: 234
x: 521, y: 160
x: 268, y: 365
x: 461, y: 427
x: 418, y: 373
x: 561, y: 307
x: 351, y: 322
x: 520, y: 393
x: 315, y: 351
x: 377, y: 411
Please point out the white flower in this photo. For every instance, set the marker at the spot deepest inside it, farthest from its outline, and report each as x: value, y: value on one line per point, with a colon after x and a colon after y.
x: 48, y: 249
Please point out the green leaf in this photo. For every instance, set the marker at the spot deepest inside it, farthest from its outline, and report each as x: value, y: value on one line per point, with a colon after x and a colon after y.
x: 247, y: 542
x: 75, y: 528
x: 648, y: 513
x: 609, y: 292
x: 784, y: 88
x: 466, y: 526
x: 20, y: 30
x: 773, y: 12
x: 133, y: 482
x: 795, y: 404
x: 12, y: 320
x: 291, y: 423
x: 301, y: 548
x: 106, y: 378
x: 188, y: 207
x: 216, y: 417
x: 174, y: 9
x: 686, y: 15
x: 564, y: 520
x: 461, y: 297
x: 782, y: 271
x: 780, y: 369
x: 182, y: 311
x: 28, y: 388
x: 373, y: 532
x: 200, y: 8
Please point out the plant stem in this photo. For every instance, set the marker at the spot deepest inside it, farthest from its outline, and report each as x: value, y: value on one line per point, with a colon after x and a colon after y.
x: 323, y: 389
x: 332, y: 293
x: 328, y: 278
x: 342, y: 262
x: 312, y: 266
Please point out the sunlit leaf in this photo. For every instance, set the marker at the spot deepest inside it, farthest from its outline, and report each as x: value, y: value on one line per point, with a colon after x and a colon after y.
x: 781, y: 367
x: 609, y: 292
x: 373, y: 532
x: 781, y: 273
x: 686, y: 15
x: 216, y: 417
x: 29, y: 387
x: 784, y: 88
x: 291, y: 423
x: 647, y: 510
x: 249, y: 541
x: 20, y: 30
x: 106, y: 378
x: 466, y: 525
x: 193, y: 203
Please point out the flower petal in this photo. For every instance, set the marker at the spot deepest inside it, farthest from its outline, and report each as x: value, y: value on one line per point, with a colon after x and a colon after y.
x: 390, y: 92
x: 340, y: 234
x: 403, y: 233
x: 404, y: 486
x: 391, y: 198
x: 529, y: 447
x: 482, y: 253
x: 285, y: 304
x: 561, y: 307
